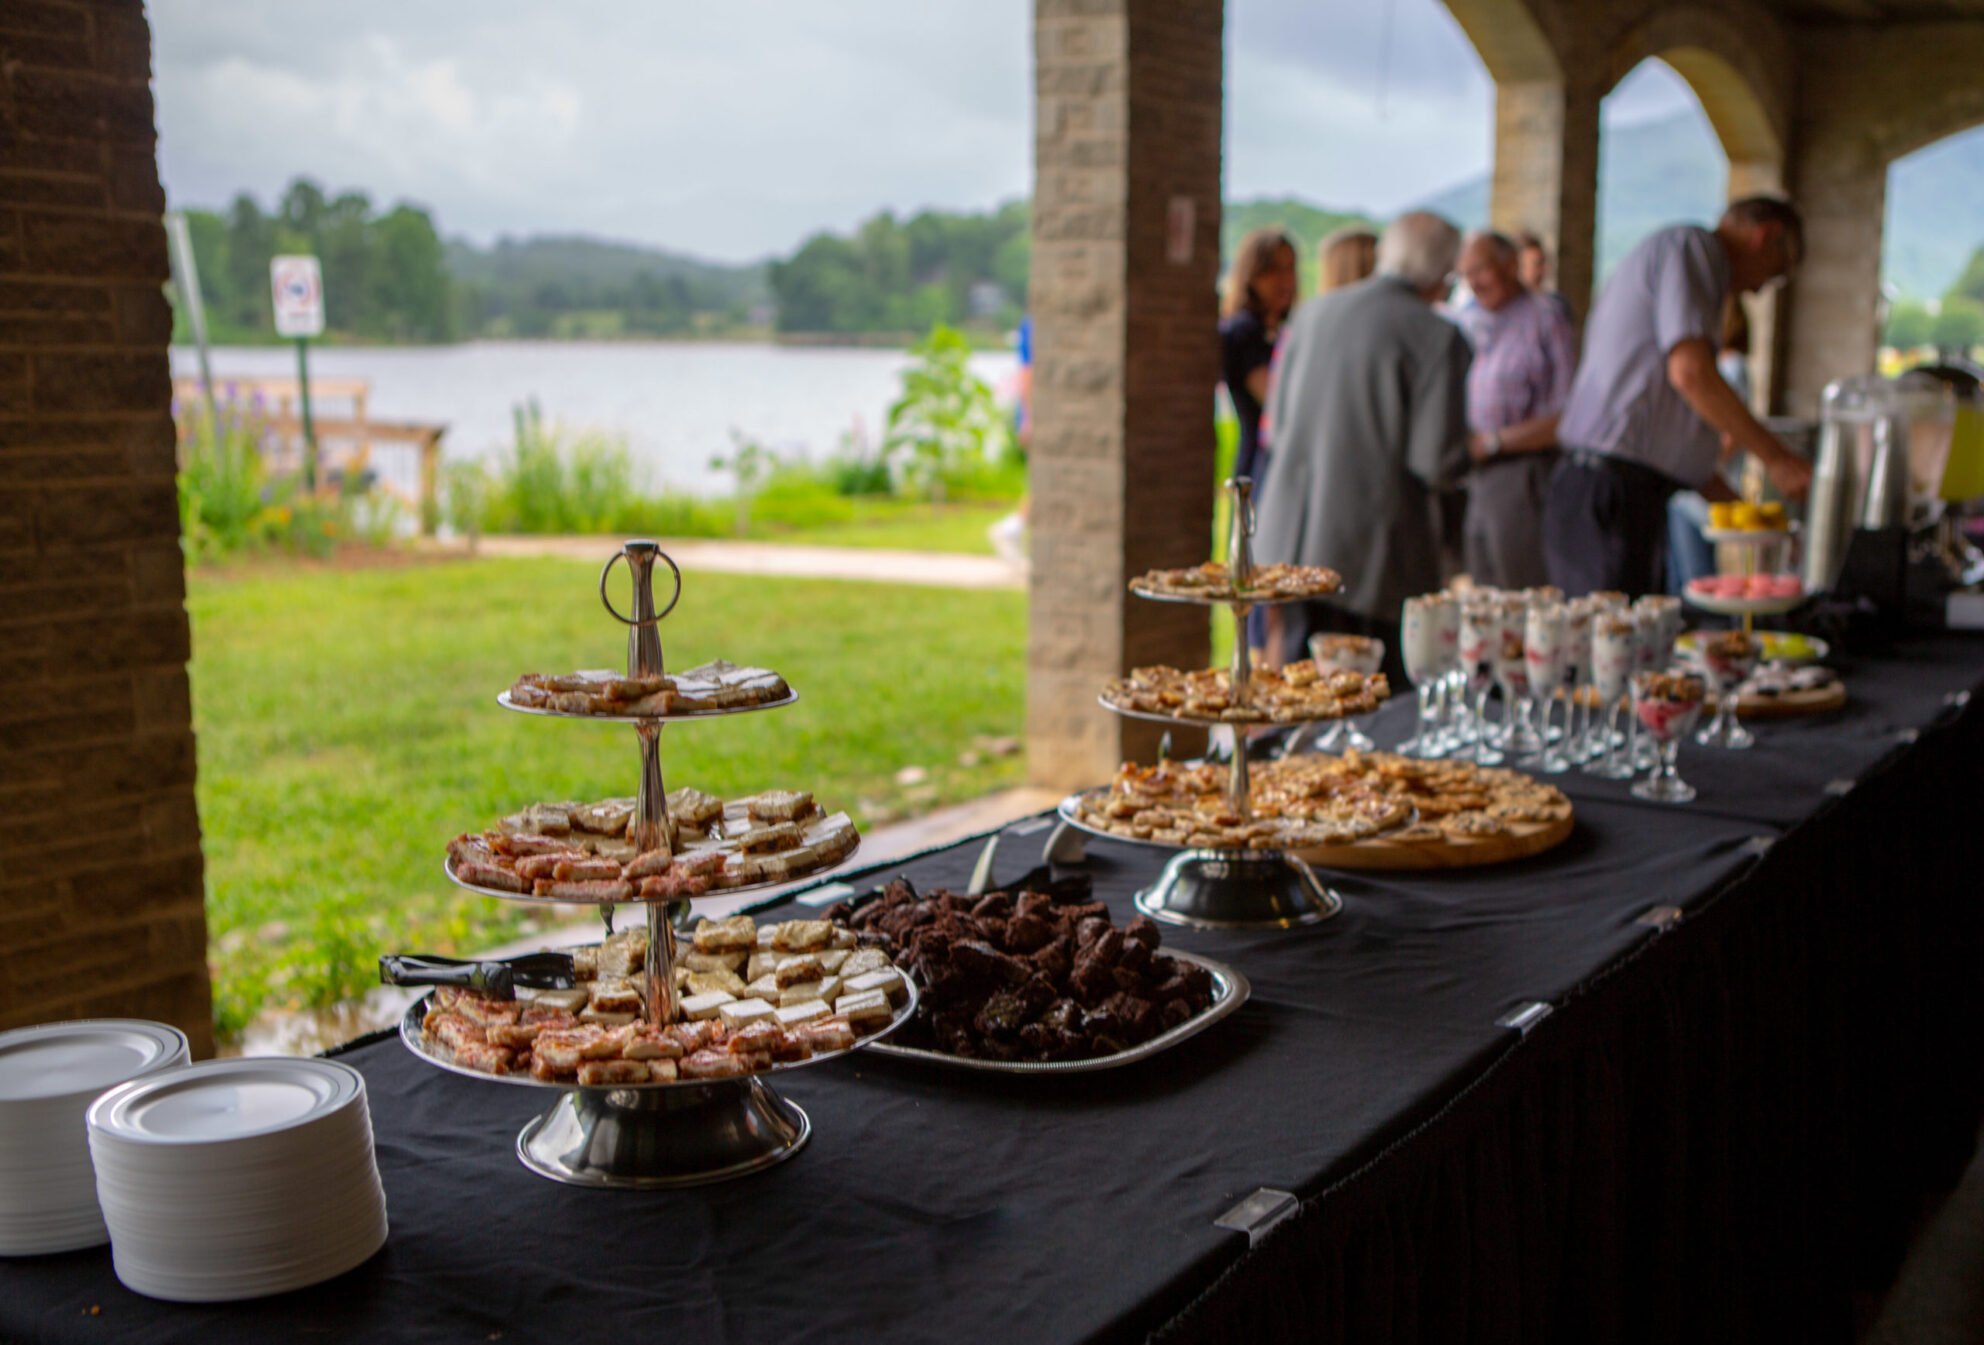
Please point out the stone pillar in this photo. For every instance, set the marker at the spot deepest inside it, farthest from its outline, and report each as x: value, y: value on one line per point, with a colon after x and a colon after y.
x: 101, y: 887
x: 1546, y: 175
x: 1128, y: 106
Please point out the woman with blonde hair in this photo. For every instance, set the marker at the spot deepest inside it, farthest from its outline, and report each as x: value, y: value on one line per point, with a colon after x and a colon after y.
x: 1345, y: 256
x: 1259, y: 295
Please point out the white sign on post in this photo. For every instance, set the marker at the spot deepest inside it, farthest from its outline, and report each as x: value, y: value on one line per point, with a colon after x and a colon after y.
x: 298, y: 289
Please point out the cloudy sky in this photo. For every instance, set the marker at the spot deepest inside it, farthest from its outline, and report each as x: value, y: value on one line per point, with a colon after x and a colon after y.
x: 732, y: 131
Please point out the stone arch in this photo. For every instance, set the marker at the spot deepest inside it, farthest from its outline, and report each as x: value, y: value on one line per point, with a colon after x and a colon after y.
x: 1738, y: 63
x: 1509, y: 39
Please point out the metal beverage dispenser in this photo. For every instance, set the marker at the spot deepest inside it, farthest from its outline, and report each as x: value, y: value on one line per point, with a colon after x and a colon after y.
x: 1883, y: 448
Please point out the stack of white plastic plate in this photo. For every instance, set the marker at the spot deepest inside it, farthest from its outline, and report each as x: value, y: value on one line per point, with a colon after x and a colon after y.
x: 237, y: 1178
x: 49, y: 1075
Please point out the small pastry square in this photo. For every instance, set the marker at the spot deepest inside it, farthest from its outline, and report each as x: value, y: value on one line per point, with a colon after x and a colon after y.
x: 742, y: 1013
x: 780, y: 805
x: 738, y: 934
x: 705, y: 1006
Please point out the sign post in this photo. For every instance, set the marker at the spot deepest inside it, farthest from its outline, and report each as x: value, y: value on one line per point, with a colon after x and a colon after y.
x: 297, y: 287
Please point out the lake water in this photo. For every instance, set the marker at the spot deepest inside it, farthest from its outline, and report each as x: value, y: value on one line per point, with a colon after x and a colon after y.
x: 674, y: 403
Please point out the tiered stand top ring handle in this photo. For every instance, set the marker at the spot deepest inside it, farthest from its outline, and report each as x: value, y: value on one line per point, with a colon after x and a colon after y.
x: 643, y: 640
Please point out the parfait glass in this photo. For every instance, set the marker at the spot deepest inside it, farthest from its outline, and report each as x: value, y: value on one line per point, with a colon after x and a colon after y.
x: 1546, y: 635
x: 1512, y: 675
x: 1358, y: 654
x: 1479, y: 640
x: 1429, y: 629
x: 1577, y: 679
x: 1730, y: 657
x: 1614, y: 649
x: 1666, y: 706
x: 1659, y: 618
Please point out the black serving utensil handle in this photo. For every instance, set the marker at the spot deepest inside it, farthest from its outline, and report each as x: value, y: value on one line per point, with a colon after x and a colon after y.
x: 489, y: 978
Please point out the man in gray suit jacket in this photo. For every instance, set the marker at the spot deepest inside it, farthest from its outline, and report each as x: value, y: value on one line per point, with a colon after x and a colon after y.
x: 1369, y: 408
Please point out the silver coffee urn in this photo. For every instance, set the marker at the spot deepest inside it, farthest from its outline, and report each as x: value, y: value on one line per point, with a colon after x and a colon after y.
x: 1858, y: 516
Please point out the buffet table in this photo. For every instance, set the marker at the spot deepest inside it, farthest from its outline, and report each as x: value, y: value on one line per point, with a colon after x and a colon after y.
x: 1747, y: 1036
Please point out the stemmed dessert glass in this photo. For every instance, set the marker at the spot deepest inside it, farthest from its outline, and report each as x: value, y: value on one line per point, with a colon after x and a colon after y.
x: 1578, y: 615
x: 1614, y: 649
x: 1512, y: 675
x: 1667, y: 706
x: 1660, y: 619
x: 1546, y: 633
x: 1429, y: 630
x: 1360, y: 654
x: 1480, y: 643
x: 1730, y: 657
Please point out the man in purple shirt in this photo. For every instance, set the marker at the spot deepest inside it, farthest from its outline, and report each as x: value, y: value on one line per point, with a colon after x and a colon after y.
x: 1648, y: 412
x: 1524, y: 356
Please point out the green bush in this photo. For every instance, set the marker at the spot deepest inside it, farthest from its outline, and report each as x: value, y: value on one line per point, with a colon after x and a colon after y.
x: 230, y: 503
x: 945, y: 427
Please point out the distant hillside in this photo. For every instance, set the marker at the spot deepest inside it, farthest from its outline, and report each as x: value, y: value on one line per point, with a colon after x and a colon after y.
x: 561, y: 285
x: 1650, y: 174
x: 1935, y: 215
x: 1672, y: 170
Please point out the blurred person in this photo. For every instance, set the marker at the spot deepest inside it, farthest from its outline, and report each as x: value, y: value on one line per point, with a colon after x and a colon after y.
x: 1259, y: 294
x: 1008, y: 533
x: 1369, y: 407
x: 1689, y: 553
x: 1535, y: 271
x: 1649, y: 410
x: 1345, y: 256
x: 1524, y: 356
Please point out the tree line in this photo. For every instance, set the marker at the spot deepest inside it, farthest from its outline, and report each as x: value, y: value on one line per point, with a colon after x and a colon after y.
x: 385, y: 279
x: 389, y: 277
x: 1957, y: 322
x: 890, y: 275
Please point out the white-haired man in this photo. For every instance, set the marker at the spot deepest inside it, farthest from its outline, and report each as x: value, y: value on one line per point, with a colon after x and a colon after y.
x: 1369, y: 408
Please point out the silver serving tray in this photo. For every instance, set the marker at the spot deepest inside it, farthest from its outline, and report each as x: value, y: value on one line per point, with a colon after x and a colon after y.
x: 1229, y: 599
x: 1066, y: 810
x: 448, y: 868
x: 1209, y: 721
x: 503, y: 699
x: 1230, y: 991
x: 416, y: 1014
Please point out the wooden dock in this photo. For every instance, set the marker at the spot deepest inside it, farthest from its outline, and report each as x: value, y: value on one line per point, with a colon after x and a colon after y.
x: 344, y: 442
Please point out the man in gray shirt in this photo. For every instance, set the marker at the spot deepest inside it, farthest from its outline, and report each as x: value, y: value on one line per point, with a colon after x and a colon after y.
x: 1648, y: 412
x: 1369, y: 408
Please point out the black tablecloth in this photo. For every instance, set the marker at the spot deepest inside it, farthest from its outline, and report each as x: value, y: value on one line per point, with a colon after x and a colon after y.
x: 1722, y: 1121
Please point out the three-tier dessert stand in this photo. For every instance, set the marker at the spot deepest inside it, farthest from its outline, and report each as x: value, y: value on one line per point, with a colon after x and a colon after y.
x: 1217, y: 887
x: 688, y: 1131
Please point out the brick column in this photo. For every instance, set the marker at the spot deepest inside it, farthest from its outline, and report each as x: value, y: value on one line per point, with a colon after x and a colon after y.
x: 1126, y: 164
x: 1546, y: 175
x: 101, y: 890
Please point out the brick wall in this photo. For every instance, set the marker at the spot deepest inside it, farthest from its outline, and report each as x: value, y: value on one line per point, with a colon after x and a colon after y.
x: 101, y: 888
x: 1127, y: 120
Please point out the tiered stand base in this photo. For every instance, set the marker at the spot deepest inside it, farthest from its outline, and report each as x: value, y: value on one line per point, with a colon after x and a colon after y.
x: 1226, y: 889
x: 1238, y: 889
x: 649, y: 1139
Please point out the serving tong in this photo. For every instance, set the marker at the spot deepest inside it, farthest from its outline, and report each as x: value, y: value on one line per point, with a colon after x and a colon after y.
x: 498, y: 977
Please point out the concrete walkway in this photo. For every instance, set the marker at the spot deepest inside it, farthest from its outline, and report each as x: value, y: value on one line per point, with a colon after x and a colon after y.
x: 937, y: 569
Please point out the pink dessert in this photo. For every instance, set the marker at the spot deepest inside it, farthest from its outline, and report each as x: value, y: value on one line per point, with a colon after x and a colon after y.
x: 1774, y: 587
x: 1667, y: 704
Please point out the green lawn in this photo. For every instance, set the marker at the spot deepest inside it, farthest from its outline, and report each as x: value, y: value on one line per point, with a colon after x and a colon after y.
x: 905, y: 527
x: 348, y: 727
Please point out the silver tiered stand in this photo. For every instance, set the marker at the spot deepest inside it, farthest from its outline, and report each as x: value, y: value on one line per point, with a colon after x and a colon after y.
x: 644, y: 1136
x: 1228, y: 888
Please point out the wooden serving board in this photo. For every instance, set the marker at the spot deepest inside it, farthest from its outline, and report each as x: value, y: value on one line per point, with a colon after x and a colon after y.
x: 1793, y: 704
x: 1522, y: 840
